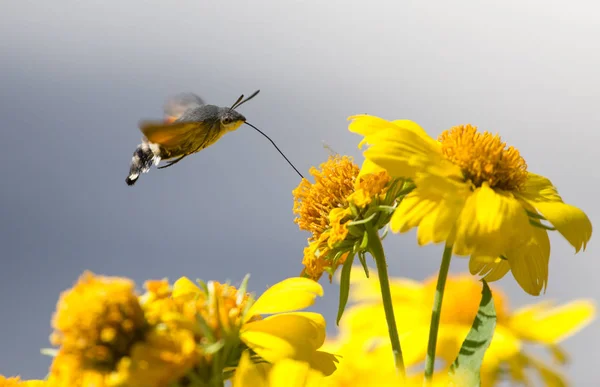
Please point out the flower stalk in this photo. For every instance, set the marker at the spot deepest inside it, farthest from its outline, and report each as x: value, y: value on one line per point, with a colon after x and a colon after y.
x: 376, y: 250
x: 435, y: 314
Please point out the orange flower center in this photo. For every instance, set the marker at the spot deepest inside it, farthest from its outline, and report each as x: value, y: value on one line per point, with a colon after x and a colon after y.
x: 483, y: 157
x: 313, y: 202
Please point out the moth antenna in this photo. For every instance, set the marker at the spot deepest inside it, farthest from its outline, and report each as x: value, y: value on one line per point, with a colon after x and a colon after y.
x: 272, y: 142
x: 239, y: 102
x: 236, y: 102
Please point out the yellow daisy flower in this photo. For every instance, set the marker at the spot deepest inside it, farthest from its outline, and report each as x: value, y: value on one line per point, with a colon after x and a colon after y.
x: 16, y: 381
x: 507, y: 351
x: 285, y: 373
x: 185, y: 333
x: 335, y: 208
x: 364, y: 360
x: 98, y: 320
x: 475, y: 194
x: 105, y: 339
x: 286, y: 334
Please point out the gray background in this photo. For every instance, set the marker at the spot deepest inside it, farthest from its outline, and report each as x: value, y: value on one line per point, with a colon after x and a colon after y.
x: 76, y: 76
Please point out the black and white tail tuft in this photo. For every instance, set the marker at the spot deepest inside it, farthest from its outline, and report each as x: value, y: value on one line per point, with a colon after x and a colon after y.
x: 144, y: 156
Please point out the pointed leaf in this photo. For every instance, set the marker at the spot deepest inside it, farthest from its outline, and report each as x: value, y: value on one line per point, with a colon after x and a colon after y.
x: 344, y: 287
x: 465, y: 371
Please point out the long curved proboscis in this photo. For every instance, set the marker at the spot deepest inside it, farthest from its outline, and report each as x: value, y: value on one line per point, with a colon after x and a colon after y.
x: 272, y: 142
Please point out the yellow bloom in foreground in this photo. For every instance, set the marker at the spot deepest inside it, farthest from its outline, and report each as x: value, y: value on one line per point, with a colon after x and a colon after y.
x: 286, y: 334
x: 475, y: 194
x: 105, y: 339
x: 285, y: 373
x: 108, y: 336
x: 98, y: 320
x: 17, y: 382
x: 541, y: 324
x: 328, y: 206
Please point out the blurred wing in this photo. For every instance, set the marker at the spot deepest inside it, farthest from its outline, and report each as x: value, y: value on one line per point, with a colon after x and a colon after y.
x: 178, y: 104
x: 169, y: 135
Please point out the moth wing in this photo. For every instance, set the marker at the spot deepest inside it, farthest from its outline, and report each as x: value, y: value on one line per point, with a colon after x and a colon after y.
x: 169, y: 135
x: 178, y: 104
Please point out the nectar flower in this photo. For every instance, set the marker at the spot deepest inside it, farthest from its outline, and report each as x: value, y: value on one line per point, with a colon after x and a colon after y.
x: 105, y: 339
x: 475, y: 194
x: 285, y: 373
x: 513, y: 333
x: 99, y: 320
x: 365, y: 361
x: 336, y: 207
x: 17, y: 382
x: 235, y: 321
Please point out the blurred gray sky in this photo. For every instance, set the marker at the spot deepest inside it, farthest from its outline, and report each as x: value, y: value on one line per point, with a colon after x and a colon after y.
x: 76, y: 76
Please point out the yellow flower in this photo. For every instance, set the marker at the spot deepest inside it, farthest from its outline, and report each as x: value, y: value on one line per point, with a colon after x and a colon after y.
x: 366, y: 360
x: 363, y: 361
x: 474, y: 194
x: 17, y: 382
x: 98, y: 320
x: 513, y: 330
x: 335, y: 207
x: 285, y: 373
x: 286, y: 334
x: 105, y: 339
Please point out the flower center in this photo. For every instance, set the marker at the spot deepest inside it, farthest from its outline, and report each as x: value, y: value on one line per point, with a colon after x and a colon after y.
x: 223, y: 309
x: 483, y: 157
x: 313, y: 202
x: 99, y: 320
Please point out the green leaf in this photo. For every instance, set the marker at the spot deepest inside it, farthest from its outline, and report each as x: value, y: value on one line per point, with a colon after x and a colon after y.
x: 344, y: 287
x: 241, y: 293
x: 363, y: 261
x: 362, y: 221
x: 365, y: 241
x: 465, y: 371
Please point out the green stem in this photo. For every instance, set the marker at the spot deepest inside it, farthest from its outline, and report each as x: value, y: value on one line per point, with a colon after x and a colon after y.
x: 435, y: 314
x: 376, y: 250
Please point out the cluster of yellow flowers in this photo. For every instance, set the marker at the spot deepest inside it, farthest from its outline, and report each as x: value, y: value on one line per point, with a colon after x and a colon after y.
x: 467, y: 189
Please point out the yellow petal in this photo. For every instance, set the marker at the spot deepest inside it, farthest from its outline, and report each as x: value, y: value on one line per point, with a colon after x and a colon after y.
x: 491, y: 269
x: 412, y: 126
x: 248, y: 374
x: 288, y: 295
x: 504, y: 344
x: 434, y: 214
x: 290, y: 335
x: 324, y: 362
x: 369, y: 167
x: 538, y: 188
x: 367, y: 125
x: 529, y: 263
x: 365, y: 289
x: 490, y: 223
x: 290, y: 373
x: 569, y: 220
x: 552, y: 324
x: 548, y: 374
x: 184, y: 287
x: 402, y: 149
x: 368, y: 320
